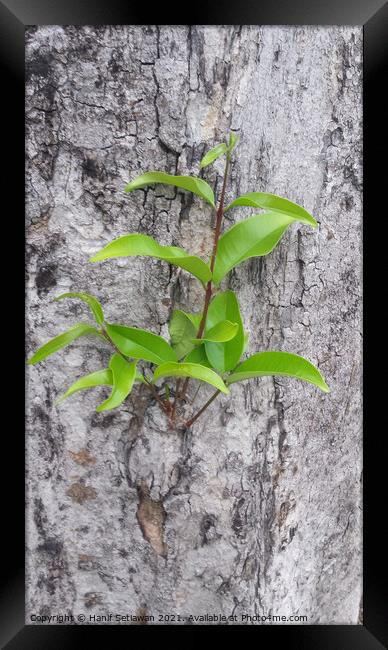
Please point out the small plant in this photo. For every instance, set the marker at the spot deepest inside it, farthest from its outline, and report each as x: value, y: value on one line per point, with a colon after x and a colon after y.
x: 207, y: 345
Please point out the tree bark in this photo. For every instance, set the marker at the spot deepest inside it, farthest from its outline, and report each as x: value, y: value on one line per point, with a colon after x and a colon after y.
x: 256, y: 509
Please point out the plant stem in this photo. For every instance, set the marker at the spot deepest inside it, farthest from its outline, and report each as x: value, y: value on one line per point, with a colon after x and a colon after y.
x: 196, y: 394
x: 152, y: 388
x: 196, y: 416
x: 217, y: 232
x: 208, y: 295
x: 220, y: 214
x: 174, y: 404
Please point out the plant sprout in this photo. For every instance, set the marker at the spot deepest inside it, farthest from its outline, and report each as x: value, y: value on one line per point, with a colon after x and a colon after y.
x: 208, y: 345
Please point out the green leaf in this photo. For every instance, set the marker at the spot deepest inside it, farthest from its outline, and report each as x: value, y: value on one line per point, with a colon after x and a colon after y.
x: 62, y: 340
x: 233, y: 140
x: 92, y: 302
x: 190, y: 183
x: 264, y: 364
x: 141, y: 344
x: 123, y: 376
x: 195, y: 319
x: 224, y: 356
x: 274, y: 203
x: 221, y: 332
x: 213, y: 154
x: 182, y: 331
x: 194, y: 370
x: 252, y: 237
x: 143, y: 245
x: 198, y: 355
x: 99, y: 378
x: 246, y: 341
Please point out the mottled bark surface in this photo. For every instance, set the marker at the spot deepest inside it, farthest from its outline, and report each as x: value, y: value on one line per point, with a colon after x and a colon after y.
x: 257, y: 509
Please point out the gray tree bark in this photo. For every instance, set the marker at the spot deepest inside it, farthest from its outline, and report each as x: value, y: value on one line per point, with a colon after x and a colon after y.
x: 256, y: 510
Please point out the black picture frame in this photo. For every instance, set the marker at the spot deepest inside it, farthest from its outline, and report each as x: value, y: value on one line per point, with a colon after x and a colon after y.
x: 373, y: 16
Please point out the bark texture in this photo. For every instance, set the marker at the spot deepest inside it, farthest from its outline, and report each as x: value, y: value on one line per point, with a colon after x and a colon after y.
x: 256, y: 510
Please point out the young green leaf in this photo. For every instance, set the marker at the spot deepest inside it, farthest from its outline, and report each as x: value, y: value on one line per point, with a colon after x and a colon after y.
x: 195, y: 319
x: 224, y: 356
x: 274, y: 203
x: 190, y: 183
x: 182, y: 331
x: 198, y: 355
x: 233, y: 140
x: 263, y: 364
x: 123, y: 377
x: 220, y: 333
x: 99, y: 378
x: 92, y: 302
x: 252, y: 237
x: 59, y: 342
x: 213, y: 154
x: 144, y: 245
x: 194, y: 370
x: 141, y: 344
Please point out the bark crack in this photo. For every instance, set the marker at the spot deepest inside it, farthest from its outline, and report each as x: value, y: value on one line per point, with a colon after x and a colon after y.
x: 151, y: 516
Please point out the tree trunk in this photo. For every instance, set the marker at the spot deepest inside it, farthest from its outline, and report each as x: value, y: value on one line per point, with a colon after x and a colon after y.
x: 255, y: 511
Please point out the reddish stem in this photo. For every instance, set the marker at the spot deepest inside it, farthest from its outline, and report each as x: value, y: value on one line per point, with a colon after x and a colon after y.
x: 208, y: 295
x: 196, y: 416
